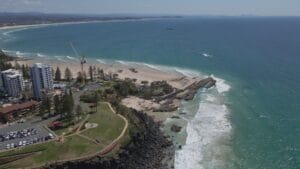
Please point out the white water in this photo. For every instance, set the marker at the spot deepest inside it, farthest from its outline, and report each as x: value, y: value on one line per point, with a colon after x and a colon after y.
x: 60, y: 58
x: 72, y: 58
x: 207, y: 55
x: 208, y: 129
x: 101, y: 61
x: 208, y: 132
x: 40, y: 55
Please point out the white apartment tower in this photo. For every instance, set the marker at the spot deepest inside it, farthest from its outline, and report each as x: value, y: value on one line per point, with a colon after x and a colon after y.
x: 41, y: 76
x: 12, y: 82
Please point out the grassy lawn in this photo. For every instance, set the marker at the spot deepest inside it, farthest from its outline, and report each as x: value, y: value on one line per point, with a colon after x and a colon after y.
x: 109, y: 126
x: 73, y: 146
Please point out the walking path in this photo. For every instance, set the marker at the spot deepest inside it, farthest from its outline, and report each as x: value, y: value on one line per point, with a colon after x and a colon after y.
x: 102, y: 152
x: 106, y: 149
x: 112, y: 145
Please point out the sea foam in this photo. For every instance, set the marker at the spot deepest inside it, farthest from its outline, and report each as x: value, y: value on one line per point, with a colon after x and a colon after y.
x: 60, y: 58
x: 207, y: 132
x: 207, y: 55
x: 72, y: 58
x: 221, y: 85
x: 40, y: 55
x: 101, y: 61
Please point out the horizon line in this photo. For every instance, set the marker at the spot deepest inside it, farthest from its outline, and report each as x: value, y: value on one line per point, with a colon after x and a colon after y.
x: 146, y: 14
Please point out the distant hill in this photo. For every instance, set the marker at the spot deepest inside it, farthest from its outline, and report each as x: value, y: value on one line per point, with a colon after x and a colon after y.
x: 28, y: 18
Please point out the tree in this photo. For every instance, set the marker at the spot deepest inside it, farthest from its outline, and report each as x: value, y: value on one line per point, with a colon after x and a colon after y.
x: 68, y: 74
x: 57, y: 74
x: 145, y: 82
x: 94, y: 70
x: 25, y: 71
x: 57, y: 104
x: 96, y: 99
x: 79, y: 77
x: 45, y: 106
x: 27, y: 93
x: 68, y: 105
x: 84, y: 75
x: 42, y: 110
x: 125, y: 88
x: 48, y: 102
x: 101, y: 74
x: 78, y: 111
x: 115, y: 76
x: 91, y: 73
x: 53, y: 74
x: 4, y: 61
x: 17, y: 65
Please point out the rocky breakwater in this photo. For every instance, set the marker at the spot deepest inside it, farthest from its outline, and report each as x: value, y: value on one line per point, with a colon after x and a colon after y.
x: 148, y: 149
x: 167, y: 101
x: 190, y: 92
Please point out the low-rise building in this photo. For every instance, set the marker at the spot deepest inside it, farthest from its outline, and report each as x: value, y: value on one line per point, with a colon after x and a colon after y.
x: 11, y: 112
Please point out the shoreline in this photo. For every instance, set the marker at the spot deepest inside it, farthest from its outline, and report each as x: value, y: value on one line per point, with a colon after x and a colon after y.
x: 165, y: 111
x: 74, y: 23
x: 138, y: 71
x: 142, y: 72
x: 180, y: 79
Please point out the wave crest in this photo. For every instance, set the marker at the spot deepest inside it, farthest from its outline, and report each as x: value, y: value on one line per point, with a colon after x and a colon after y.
x: 208, y: 132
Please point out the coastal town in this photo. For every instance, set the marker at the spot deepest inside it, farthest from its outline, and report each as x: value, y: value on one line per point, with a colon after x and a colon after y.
x: 45, y: 110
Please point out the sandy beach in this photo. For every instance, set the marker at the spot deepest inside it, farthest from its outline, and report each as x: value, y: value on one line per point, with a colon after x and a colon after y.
x: 124, y: 70
x: 141, y: 71
x: 72, y: 23
x: 43, y: 24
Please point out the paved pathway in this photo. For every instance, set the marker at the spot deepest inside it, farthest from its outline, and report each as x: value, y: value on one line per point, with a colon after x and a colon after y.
x: 106, y: 149
x: 112, y: 145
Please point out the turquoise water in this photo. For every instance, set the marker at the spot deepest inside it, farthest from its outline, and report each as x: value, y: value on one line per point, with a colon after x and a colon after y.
x: 258, y: 57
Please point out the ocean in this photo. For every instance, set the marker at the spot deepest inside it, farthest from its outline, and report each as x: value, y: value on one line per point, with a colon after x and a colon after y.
x: 250, y: 120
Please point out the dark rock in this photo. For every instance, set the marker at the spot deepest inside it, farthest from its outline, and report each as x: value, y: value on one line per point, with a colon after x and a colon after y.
x: 146, y: 150
x: 175, y: 117
x: 176, y: 128
x: 191, y: 91
x: 166, y: 108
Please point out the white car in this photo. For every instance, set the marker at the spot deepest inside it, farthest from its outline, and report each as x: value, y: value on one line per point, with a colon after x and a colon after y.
x: 51, y: 135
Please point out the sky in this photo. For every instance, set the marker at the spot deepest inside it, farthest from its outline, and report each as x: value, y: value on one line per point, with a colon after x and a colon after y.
x: 184, y: 7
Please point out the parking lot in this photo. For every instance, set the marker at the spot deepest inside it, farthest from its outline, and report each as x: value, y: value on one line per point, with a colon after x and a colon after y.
x: 26, y: 133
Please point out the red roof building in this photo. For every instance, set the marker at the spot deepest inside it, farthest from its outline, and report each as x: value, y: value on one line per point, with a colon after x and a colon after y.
x: 14, y: 111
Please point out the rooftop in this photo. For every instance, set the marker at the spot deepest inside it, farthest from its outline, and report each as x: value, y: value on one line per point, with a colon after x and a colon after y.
x: 15, y: 107
x: 40, y: 65
x: 11, y: 71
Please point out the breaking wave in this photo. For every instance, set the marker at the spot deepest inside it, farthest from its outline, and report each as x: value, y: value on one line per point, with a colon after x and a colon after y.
x: 40, y: 55
x: 208, y: 133
x: 72, y: 58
